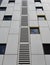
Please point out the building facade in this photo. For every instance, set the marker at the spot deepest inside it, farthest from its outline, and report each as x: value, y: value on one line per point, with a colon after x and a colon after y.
x: 24, y: 32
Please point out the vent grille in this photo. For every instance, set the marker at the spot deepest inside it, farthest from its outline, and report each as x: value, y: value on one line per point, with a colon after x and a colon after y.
x: 24, y: 35
x: 24, y: 20
x: 24, y: 11
x: 24, y: 3
x: 24, y: 54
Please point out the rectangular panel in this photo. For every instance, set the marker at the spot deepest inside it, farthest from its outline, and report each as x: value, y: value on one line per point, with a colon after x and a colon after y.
x: 24, y: 20
x: 24, y: 54
x: 24, y: 11
x: 24, y: 3
x: 24, y: 35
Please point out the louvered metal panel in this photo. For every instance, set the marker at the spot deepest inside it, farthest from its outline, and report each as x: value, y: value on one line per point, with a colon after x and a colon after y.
x: 24, y: 57
x: 24, y: 35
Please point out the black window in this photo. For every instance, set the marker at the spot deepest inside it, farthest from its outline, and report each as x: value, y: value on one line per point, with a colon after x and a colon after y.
x: 11, y: 1
x: 37, y: 1
x: 46, y: 48
x: 39, y: 8
x: 0, y: 2
x: 34, y: 30
x: 2, y: 48
x: 41, y: 17
x: 7, y: 17
x: 2, y: 8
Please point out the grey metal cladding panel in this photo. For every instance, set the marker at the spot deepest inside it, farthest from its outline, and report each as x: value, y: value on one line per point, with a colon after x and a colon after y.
x: 24, y: 3
x: 24, y: 35
x: 24, y: 11
x: 24, y: 20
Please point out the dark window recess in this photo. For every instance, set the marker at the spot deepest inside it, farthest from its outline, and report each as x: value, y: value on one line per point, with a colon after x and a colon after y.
x: 41, y: 17
x: 37, y: 1
x: 2, y: 8
x: 24, y: 3
x: 7, y: 17
x: 46, y: 48
x: 24, y: 20
x: 2, y: 48
x: 0, y: 2
x: 11, y: 1
x: 24, y: 11
x: 24, y: 54
x: 39, y: 8
x: 34, y: 30
x: 24, y: 35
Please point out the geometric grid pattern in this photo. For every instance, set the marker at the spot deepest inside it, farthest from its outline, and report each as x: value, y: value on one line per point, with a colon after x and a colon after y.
x: 10, y: 31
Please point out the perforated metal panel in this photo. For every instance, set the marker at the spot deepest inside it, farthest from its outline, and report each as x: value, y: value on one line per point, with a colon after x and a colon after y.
x: 24, y: 3
x: 24, y: 35
x: 24, y: 20
x: 24, y: 54
x: 24, y: 11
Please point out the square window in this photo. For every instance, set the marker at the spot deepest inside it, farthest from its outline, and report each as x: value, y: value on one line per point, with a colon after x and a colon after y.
x: 2, y: 8
x: 11, y: 1
x: 46, y: 48
x: 41, y: 17
x: 34, y: 30
x: 37, y: 1
x: 7, y: 17
x: 2, y: 48
x: 39, y: 8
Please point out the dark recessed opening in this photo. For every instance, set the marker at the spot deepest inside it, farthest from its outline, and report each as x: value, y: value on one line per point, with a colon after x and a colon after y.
x: 7, y: 17
x: 34, y: 30
x: 41, y: 17
x: 11, y: 1
x: 2, y: 48
x: 3, y: 8
x: 46, y: 48
x: 37, y: 1
x: 39, y: 8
